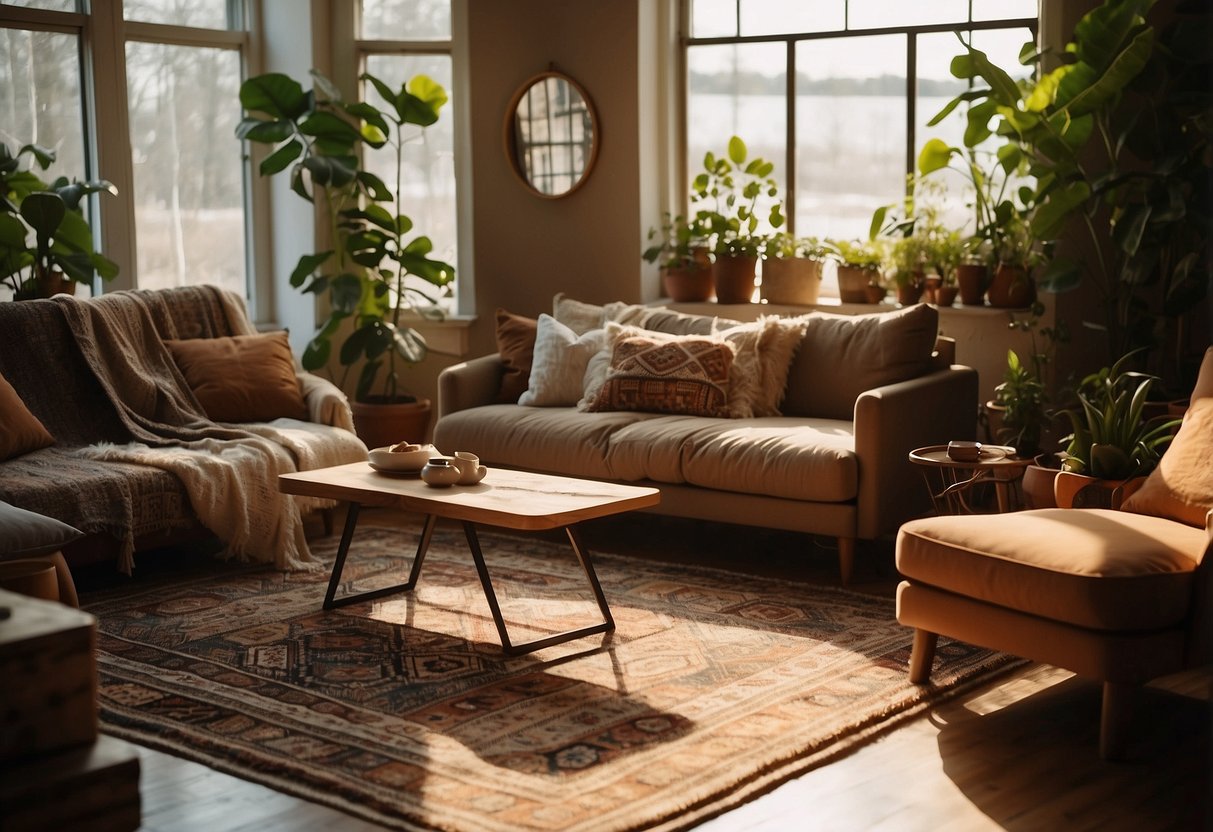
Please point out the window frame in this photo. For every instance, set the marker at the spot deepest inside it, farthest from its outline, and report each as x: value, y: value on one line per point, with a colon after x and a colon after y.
x: 686, y: 42
x: 103, y: 35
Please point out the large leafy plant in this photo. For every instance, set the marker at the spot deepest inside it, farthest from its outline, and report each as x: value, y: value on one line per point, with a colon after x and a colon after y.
x: 1111, y: 438
x: 726, y: 197
x: 1117, y: 140
x: 318, y: 140
x: 42, y: 227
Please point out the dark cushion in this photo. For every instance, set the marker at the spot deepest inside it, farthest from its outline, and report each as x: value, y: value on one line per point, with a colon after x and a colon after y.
x: 27, y: 534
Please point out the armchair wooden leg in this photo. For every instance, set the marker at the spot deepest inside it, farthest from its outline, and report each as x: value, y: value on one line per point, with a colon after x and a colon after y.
x: 922, y: 656
x: 846, y: 558
x: 1114, y: 719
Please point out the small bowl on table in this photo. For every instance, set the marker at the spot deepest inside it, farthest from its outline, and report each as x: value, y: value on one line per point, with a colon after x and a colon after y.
x: 401, y: 462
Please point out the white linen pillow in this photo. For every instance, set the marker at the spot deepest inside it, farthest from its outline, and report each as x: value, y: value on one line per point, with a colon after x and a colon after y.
x: 584, y: 317
x: 559, y: 367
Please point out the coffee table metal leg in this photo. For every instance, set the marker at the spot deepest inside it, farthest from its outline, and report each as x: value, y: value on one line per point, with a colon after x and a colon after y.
x: 608, y: 624
x: 351, y: 522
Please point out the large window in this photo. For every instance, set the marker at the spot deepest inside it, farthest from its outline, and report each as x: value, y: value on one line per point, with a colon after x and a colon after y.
x: 164, y: 137
x: 837, y: 93
x: 397, y: 40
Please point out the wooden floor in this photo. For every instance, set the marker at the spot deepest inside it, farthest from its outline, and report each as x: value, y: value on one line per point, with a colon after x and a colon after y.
x: 1019, y: 753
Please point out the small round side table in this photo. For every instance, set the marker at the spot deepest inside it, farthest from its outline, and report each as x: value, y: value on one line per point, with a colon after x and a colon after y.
x: 950, y: 481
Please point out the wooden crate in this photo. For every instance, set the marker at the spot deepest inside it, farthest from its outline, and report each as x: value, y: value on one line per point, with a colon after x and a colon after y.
x: 48, y: 677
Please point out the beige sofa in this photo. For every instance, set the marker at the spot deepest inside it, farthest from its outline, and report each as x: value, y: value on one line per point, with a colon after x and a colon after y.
x: 861, y: 392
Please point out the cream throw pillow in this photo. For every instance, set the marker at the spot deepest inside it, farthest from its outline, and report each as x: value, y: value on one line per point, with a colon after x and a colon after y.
x: 584, y: 317
x: 558, y: 368
x: 1181, y: 487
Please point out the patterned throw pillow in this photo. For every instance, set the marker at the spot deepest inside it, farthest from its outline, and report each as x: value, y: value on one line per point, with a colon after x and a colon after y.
x: 688, y: 376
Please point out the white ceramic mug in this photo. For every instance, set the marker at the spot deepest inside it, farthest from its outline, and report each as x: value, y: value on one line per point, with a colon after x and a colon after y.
x: 470, y: 469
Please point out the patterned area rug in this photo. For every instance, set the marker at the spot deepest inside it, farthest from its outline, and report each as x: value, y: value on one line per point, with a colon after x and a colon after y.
x: 404, y: 711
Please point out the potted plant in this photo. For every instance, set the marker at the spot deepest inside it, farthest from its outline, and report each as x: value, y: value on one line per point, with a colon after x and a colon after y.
x: 377, y: 269
x: 791, y: 270
x: 1112, y: 443
x: 973, y: 271
x: 1019, y: 400
x: 726, y: 197
x: 681, y: 252
x: 859, y: 264
x: 46, y: 244
x: 906, y: 258
x: 1013, y: 285
x: 945, y: 252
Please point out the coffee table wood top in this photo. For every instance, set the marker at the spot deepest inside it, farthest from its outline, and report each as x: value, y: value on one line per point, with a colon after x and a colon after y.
x: 505, y: 498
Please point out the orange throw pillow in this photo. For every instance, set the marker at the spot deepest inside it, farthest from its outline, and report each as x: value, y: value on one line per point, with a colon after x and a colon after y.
x: 1181, y: 487
x: 245, y: 378
x: 516, y: 345
x: 20, y: 430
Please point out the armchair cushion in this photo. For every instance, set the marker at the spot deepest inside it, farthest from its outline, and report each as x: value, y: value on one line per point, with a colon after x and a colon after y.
x: 1181, y: 487
x: 1095, y: 568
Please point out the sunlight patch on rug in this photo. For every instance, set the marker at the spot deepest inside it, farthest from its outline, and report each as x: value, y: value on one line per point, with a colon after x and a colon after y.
x: 715, y: 686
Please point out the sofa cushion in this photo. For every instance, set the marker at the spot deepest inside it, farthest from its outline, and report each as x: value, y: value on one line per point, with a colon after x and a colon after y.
x: 582, y: 317
x: 242, y: 378
x: 688, y: 375
x: 20, y: 430
x: 516, y: 346
x: 28, y: 534
x: 800, y: 459
x: 1096, y: 568
x: 841, y: 356
x: 555, y: 439
x: 558, y: 367
x: 1181, y: 487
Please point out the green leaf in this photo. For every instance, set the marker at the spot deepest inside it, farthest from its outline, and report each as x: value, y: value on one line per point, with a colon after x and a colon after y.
x: 265, y: 132
x: 44, y: 212
x: 977, y: 130
x: 412, y: 110
x: 1060, y: 275
x: 935, y: 155
x: 426, y: 89
x: 410, y: 345
x: 331, y: 128
x: 374, y: 187
x: 345, y: 291
x: 1002, y: 86
x: 334, y: 171
x: 385, y: 92
x: 355, y: 345
x: 1129, y: 228
x: 419, y: 246
x: 1049, y: 218
x: 12, y: 232
x: 737, y: 151
x: 307, y: 264
x: 281, y: 158
x: 274, y: 94
x: 1101, y: 89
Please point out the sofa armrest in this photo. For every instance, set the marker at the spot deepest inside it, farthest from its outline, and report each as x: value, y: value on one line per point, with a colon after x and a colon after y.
x: 893, y: 420
x: 469, y: 384
x: 326, y: 404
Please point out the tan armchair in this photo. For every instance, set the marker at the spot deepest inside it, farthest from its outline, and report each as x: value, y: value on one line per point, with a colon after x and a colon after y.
x: 1120, y: 596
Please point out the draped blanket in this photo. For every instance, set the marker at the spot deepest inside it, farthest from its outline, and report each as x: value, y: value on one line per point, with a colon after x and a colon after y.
x: 230, y: 472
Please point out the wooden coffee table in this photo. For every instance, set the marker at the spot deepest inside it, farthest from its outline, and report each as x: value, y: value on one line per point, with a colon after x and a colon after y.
x: 507, y: 499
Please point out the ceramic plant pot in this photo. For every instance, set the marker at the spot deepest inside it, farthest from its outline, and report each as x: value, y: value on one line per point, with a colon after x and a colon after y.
x: 688, y: 284
x: 946, y: 295
x: 736, y: 278
x: 385, y: 424
x: 795, y: 281
x: 1080, y: 491
x: 1011, y: 288
x: 1038, y: 484
x: 853, y: 283
x: 971, y: 279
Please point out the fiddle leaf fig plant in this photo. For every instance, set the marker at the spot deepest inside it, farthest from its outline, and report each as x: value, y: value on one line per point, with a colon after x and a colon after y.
x: 378, y: 268
x: 43, y: 232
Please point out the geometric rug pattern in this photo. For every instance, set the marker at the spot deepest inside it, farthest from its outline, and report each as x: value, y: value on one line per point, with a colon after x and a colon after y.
x: 404, y: 710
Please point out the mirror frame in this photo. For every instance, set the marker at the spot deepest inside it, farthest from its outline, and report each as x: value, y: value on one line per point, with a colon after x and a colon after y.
x: 509, y: 136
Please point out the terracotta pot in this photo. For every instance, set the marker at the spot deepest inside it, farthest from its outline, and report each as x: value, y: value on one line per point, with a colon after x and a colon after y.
x: 1011, y: 288
x: 381, y: 424
x: 930, y: 288
x: 1038, y: 482
x: 874, y: 294
x: 688, y: 284
x: 1080, y: 491
x: 909, y: 294
x: 48, y: 286
x: 791, y: 280
x: 853, y: 284
x: 946, y: 295
x: 972, y: 278
x: 735, y: 277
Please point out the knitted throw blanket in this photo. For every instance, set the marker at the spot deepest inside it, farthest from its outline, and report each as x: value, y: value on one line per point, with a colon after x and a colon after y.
x: 230, y: 472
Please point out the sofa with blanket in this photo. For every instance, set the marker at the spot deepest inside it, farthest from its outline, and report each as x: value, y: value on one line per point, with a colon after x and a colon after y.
x: 137, y: 415
x: 800, y: 423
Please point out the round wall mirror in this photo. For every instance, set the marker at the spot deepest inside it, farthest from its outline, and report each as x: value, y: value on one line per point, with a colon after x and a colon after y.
x: 551, y: 135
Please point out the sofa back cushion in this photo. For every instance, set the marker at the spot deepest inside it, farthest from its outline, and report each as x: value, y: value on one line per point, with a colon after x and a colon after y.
x: 841, y: 356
